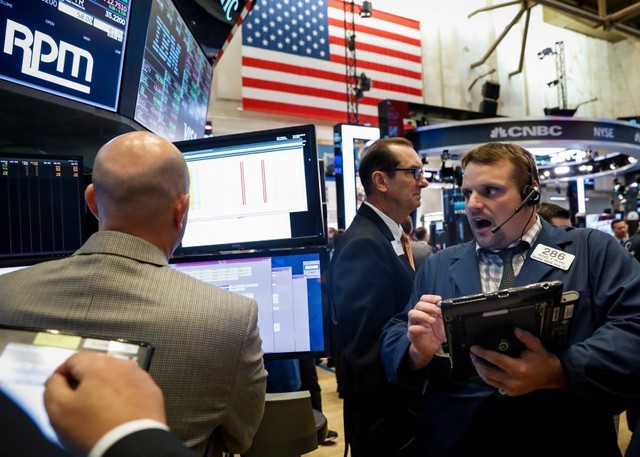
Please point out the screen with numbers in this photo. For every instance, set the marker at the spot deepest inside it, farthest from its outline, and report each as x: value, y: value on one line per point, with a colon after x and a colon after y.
x: 42, y: 212
x: 168, y: 78
x: 70, y: 48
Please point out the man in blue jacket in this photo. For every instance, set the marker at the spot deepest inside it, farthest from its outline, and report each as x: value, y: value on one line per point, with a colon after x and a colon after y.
x: 538, y: 403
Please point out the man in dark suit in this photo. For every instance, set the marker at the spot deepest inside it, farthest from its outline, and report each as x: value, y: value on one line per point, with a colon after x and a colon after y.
x: 96, y: 403
x: 370, y: 281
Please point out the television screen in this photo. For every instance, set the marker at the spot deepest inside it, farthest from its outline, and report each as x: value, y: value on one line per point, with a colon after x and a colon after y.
x: 168, y: 76
x: 73, y: 49
x: 257, y: 190
x: 42, y: 206
x: 288, y: 287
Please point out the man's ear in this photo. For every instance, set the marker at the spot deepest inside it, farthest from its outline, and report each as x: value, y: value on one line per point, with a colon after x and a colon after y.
x: 90, y: 198
x: 182, y: 209
x: 379, y: 180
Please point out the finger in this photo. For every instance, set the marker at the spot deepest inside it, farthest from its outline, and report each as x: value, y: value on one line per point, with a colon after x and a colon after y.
x: 57, y: 391
x: 532, y: 342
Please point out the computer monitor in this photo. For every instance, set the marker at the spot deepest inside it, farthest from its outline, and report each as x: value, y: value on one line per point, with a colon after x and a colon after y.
x: 257, y: 190
x: 288, y: 286
x: 600, y: 222
x: 167, y: 77
x: 42, y: 207
x: 71, y: 49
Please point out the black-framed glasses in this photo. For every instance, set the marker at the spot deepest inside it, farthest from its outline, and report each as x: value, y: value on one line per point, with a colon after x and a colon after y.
x: 418, y: 172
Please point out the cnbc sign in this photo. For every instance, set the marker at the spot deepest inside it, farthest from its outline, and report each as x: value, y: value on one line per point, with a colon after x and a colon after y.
x: 597, y: 134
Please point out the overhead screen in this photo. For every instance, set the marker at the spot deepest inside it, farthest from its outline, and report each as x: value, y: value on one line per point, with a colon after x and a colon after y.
x: 257, y: 190
x: 70, y: 48
x: 41, y: 207
x: 168, y: 76
x: 288, y: 287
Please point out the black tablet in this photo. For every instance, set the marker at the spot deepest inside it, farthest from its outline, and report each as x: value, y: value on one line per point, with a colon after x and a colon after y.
x: 29, y: 356
x: 488, y: 320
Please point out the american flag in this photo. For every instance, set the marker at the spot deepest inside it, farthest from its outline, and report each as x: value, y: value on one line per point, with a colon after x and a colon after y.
x: 293, y: 59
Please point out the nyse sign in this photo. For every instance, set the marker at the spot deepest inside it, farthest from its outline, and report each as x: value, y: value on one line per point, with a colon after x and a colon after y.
x: 596, y: 134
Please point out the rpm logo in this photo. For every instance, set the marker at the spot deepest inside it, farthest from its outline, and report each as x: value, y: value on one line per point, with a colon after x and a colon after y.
x: 39, y: 48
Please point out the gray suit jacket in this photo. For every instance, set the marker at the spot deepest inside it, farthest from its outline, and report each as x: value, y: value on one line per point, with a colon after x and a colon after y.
x: 208, y: 358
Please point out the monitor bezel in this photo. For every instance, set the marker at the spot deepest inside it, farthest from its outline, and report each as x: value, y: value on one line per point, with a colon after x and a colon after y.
x: 323, y: 253
x: 312, y: 179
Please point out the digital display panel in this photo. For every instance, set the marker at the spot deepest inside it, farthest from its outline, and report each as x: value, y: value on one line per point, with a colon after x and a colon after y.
x: 175, y: 77
x: 41, y: 206
x: 257, y: 190
x: 288, y: 287
x: 70, y: 48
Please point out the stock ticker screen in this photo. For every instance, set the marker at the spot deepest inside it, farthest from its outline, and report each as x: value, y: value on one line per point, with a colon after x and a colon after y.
x: 41, y: 214
x: 71, y: 48
x: 175, y: 77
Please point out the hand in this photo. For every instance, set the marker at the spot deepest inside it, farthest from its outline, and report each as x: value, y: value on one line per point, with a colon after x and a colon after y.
x: 91, y: 393
x: 533, y: 369
x: 425, y: 331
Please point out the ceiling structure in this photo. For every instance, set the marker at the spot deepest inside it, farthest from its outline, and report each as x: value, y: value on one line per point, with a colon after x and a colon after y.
x: 612, y: 20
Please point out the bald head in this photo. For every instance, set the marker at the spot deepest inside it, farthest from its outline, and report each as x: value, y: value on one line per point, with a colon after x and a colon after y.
x: 138, y: 179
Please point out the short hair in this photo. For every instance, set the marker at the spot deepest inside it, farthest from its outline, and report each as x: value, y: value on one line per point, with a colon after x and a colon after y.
x: 615, y: 221
x: 420, y: 233
x: 379, y: 156
x: 524, y: 164
x: 548, y: 211
x: 407, y: 225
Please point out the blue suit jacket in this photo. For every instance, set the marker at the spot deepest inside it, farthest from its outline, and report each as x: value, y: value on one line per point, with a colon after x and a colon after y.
x: 369, y: 284
x: 602, y: 361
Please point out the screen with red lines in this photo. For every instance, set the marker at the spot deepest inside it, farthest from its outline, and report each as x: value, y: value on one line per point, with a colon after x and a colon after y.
x: 256, y: 190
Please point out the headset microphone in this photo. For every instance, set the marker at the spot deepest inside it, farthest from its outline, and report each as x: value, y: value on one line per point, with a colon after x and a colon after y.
x: 532, y: 195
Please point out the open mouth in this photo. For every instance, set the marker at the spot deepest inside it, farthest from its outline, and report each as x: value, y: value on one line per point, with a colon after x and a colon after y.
x: 482, y: 223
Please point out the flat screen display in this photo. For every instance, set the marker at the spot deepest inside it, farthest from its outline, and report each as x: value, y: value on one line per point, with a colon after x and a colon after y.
x: 258, y: 190
x: 168, y: 76
x: 288, y: 286
x: 41, y: 206
x: 71, y: 48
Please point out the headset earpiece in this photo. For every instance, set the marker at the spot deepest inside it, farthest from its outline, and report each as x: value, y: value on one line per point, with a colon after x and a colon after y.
x: 531, y: 192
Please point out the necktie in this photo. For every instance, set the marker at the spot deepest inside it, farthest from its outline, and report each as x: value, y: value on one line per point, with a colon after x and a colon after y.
x: 508, y: 276
x: 406, y: 247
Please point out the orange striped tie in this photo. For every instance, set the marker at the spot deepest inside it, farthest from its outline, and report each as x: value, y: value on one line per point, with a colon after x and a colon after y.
x: 406, y: 247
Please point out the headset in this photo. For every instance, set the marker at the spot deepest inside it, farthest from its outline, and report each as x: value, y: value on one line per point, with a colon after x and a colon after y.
x: 530, y: 193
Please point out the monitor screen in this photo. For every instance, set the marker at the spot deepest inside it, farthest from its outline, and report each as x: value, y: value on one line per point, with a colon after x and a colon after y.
x: 70, y: 48
x: 288, y: 286
x: 600, y: 222
x: 168, y: 76
x: 258, y: 190
x: 42, y: 206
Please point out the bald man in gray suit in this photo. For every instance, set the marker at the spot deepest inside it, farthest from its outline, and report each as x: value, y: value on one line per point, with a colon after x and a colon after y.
x: 208, y: 358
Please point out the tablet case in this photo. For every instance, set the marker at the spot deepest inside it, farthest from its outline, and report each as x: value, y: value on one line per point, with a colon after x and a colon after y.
x: 488, y: 320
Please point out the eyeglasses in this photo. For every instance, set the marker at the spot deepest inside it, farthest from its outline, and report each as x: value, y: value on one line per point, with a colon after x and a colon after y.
x: 418, y: 172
